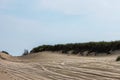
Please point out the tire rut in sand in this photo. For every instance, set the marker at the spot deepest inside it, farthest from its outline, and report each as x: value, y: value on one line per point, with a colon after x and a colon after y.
x: 84, y: 73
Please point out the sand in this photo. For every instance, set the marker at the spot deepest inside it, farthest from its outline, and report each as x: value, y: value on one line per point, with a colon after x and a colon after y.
x: 55, y: 66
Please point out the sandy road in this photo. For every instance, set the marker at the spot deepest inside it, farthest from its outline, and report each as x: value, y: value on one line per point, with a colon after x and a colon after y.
x: 51, y: 66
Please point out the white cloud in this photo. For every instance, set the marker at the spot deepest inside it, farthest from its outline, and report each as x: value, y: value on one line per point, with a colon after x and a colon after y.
x: 100, y: 9
x: 74, y: 6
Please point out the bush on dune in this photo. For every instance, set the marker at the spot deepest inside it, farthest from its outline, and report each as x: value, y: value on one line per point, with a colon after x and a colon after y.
x: 118, y: 58
x: 5, y: 52
x: 98, y: 47
x: 26, y: 52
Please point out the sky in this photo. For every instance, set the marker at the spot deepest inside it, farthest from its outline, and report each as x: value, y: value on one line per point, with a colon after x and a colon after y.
x: 25, y: 24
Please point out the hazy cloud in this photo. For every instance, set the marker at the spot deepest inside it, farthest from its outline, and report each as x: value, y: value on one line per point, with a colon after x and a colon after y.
x: 106, y: 10
x: 76, y: 7
x: 24, y: 23
x: 6, y: 4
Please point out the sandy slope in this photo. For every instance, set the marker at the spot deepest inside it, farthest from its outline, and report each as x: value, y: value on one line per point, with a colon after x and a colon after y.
x: 52, y: 66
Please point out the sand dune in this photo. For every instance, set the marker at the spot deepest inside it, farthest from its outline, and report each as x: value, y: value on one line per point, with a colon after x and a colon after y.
x: 55, y: 66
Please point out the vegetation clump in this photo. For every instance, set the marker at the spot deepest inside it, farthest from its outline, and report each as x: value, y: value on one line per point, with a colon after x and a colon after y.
x: 26, y: 52
x: 97, y: 47
x: 5, y: 52
x: 118, y: 58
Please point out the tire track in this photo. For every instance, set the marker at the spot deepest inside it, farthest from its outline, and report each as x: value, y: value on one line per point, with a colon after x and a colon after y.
x: 67, y: 68
x: 22, y: 74
x: 87, y: 72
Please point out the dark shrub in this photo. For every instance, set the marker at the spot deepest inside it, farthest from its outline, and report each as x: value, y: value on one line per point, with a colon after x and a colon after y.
x: 118, y: 58
x: 97, y: 47
x: 25, y: 52
x: 5, y: 52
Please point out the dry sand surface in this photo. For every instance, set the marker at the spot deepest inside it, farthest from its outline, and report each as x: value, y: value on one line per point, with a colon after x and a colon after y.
x: 52, y: 66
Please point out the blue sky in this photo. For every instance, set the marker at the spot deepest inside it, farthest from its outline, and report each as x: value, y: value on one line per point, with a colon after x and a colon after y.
x: 25, y: 24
